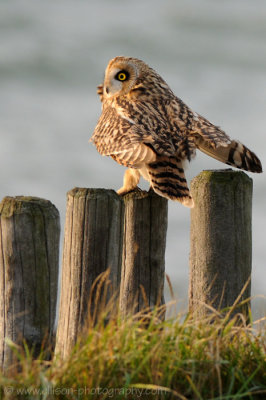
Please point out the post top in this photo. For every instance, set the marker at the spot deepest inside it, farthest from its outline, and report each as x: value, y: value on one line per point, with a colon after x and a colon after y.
x: 221, y: 176
x: 20, y: 204
x: 136, y: 194
x: 91, y: 192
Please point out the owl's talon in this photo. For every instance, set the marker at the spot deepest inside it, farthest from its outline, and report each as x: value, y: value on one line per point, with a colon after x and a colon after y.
x: 131, y: 180
x: 123, y: 191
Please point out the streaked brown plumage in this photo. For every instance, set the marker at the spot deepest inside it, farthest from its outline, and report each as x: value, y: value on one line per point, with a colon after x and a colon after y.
x: 145, y: 127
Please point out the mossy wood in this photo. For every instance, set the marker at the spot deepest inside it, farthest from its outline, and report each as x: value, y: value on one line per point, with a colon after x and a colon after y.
x: 220, y: 254
x: 29, y: 252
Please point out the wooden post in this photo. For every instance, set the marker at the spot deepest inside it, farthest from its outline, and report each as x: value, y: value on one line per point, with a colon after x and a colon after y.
x: 29, y: 251
x: 104, y: 231
x: 220, y: 255
x: 92, y: 244
x: 143, y: 264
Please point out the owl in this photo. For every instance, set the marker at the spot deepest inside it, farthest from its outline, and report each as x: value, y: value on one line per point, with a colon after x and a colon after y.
x: 146, y: 128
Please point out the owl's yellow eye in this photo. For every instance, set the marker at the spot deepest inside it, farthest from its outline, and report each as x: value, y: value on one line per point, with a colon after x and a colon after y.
x: 122, y: 76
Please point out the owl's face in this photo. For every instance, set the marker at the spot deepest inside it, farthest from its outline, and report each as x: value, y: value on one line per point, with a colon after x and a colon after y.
x: 132, y: 77
x: 120, y: 77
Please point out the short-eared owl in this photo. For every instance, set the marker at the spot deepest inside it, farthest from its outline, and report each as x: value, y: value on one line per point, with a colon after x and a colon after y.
x: 145, y: 127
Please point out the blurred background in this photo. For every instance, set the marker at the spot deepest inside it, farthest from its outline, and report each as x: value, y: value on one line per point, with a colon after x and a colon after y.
x: 53, y: 55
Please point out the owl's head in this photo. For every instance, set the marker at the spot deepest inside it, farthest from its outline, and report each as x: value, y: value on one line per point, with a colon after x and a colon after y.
x: 125, y: 75
x: 121, y: 75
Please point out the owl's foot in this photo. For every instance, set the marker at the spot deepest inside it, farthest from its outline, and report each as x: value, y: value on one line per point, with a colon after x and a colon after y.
x: 122, y: 193
x: 131, y: 180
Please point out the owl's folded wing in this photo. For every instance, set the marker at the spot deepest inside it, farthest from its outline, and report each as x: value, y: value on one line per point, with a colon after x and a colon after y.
x: 128, y: 143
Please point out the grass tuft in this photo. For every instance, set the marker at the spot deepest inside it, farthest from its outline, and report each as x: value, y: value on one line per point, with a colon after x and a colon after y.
x: 211, y: 358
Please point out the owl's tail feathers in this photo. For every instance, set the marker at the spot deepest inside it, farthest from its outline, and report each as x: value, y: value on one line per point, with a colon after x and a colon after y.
x: 167, y: 178
x: 234, y: 153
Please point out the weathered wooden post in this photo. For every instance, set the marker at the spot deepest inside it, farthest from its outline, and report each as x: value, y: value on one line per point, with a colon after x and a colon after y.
x: 124, y: 235
x: 143, y: 263
x: 29, y: 251
x: 92, y: 244
x: 220, y: 254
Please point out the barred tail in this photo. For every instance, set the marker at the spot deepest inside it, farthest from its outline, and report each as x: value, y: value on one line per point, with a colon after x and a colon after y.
x: 167, y: 178
x: 235, y: 154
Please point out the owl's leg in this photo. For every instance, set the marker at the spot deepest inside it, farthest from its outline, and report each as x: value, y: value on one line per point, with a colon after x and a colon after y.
x: 130, y: 182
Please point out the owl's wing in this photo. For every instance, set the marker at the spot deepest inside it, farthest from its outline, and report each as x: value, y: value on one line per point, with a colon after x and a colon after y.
x: 213, y: 141
x: 117, y: 136
x: 193, y: 126
x: 204, y: 131
x: 144, y: 127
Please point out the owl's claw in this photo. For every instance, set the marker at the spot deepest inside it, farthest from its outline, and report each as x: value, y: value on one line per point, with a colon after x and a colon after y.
x: 122, y: 191
x: 131, y: 179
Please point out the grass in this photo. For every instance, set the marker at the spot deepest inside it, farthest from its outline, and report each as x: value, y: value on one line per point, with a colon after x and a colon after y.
x: 143, y: 357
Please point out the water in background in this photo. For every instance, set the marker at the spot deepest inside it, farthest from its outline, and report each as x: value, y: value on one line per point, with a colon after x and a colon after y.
x: 52, y: 56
